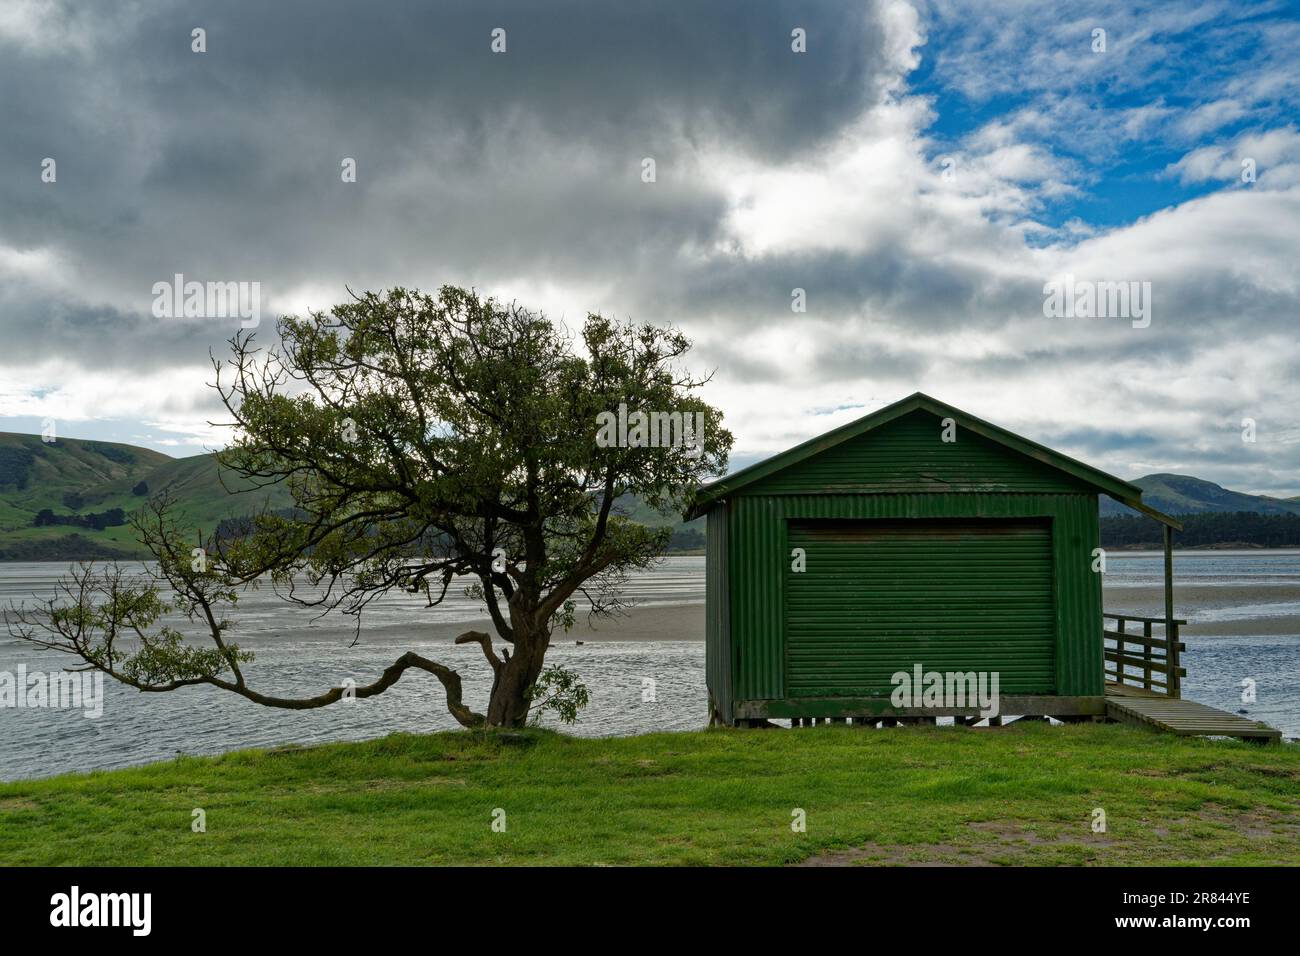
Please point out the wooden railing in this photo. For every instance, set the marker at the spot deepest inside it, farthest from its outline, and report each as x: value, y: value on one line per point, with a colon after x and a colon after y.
x: 1156, y: 658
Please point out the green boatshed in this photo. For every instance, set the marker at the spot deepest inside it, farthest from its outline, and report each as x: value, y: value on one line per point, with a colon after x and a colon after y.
x: 917, y: 536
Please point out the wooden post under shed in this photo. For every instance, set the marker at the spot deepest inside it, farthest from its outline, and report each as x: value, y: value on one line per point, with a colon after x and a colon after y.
x: 1175, y: 679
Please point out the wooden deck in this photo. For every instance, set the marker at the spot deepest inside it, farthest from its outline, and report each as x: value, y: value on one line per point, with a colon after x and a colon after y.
x: 1134, y: 705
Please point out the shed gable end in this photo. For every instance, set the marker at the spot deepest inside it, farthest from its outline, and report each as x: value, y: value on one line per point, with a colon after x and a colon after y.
x: 908, y: 455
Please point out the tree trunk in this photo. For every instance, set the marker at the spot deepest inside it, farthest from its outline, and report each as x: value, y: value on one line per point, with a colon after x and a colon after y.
x: 508, y: 705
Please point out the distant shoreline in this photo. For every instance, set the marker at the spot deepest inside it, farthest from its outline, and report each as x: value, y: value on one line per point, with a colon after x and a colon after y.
x: 1205, y: 550
x: 699, y: 553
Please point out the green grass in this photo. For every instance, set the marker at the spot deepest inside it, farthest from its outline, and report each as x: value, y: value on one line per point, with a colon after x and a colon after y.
x: 1022, y: 795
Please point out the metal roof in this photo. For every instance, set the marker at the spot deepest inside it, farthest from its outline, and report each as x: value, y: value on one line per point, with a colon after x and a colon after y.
x: 1122, y: 491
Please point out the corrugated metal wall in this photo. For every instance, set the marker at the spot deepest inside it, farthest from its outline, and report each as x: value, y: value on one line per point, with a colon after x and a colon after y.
x: 909, y: 455
x: 872, y: 598
x: 718, y: 665
x: 757, y: 550
x: 1076, y: 532
x: 759, y: 555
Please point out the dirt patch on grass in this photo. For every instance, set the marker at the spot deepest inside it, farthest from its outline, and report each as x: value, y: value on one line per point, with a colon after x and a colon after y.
x: 1001, y: 842
x: 1009, y: 842
x: 1260, y: 823
x: 1017, y: 833
x: 360, y: 787
x: 1284, y: 772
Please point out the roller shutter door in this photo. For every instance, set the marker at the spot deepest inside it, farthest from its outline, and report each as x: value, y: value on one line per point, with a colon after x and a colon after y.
x: 952, y: 595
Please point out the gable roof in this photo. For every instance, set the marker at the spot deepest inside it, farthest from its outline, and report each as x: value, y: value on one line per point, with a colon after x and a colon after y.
x: 1122, y: 491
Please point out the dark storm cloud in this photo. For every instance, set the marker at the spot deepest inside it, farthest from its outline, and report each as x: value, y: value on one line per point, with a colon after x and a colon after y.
x: 839, y: 361
x: 472, y: 166
x: 520, y: 174
x: 105, y: 337
x: 591, y: 70
x: 1098, y: 440
x: 894, y: 288
x: 739, y: 369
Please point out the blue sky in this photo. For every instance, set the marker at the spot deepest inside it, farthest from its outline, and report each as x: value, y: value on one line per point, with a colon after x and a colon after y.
x: 1204, y: 73
x: 823, y: 170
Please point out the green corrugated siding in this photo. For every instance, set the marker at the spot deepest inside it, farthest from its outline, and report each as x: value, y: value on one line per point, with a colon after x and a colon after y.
x: 717, y: 659
x: 909, y: 455
x: 1076, y: 532
x: 878, y: 597
x: 759, y: 556
x: 757, y: 529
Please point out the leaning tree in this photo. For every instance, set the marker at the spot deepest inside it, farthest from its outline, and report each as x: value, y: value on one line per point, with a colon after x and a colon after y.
x: 427, y: 443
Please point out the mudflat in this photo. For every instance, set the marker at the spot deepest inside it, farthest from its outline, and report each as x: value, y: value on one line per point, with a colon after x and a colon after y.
x: 1226, y: 610
x: 1229, y: 610
x: 657, y: 622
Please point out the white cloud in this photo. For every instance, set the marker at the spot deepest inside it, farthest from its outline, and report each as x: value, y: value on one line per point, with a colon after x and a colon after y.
x: 1274, y: 153
x: 1211, y: 116
x: 915, y: 280
x: 70, y: 394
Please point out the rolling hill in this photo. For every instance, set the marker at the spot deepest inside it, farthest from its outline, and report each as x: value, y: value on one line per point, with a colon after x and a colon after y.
x: 1183, y: 494
x: 72, y: 477
x: 75, y: 477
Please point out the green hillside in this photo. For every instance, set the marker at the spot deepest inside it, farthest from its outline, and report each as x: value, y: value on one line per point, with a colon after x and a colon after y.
x: 76, y: 477
x: 1183, y: 494
x: 637, y: 510
x: 688, y: 536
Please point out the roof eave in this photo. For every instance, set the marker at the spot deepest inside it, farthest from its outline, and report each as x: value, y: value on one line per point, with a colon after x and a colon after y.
x: 1137, y: 505
x: 712, y: 492
x: 1117, y: 488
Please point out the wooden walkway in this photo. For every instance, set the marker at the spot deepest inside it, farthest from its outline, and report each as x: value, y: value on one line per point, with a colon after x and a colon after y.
x: 1134, y: 705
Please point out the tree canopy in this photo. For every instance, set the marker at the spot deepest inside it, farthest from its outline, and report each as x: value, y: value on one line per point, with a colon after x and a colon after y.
x: 425, y: 440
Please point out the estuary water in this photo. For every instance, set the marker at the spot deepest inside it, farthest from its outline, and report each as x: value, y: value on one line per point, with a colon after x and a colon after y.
x: 644, y: 674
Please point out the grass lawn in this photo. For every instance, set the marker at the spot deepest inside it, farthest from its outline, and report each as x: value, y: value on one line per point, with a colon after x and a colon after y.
x: 1019, y: 795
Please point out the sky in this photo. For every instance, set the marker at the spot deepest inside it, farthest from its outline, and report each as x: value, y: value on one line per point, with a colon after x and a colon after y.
x: 920, y: 170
